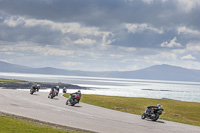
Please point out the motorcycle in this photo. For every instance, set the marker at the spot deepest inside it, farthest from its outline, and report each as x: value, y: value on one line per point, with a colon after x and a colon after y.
x: 64, y: 90
x: 53, y: 94
x: 152, y: 112
x: 32, y: 91
x: 73, y: 100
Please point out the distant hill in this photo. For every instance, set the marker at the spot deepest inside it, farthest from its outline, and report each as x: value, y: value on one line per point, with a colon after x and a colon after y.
x: 157, y: 72
x: 162, y: 72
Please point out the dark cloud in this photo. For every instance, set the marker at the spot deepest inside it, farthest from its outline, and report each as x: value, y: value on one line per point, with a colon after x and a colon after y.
x: 102, y: 13
x: 37, y: 34
x: 105, y: 14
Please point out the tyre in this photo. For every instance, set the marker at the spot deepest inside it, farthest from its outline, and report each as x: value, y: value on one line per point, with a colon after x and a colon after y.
x: 31, y: 92
x: 143, y: 116
x: 51, y: 96
x: 156, y: 117
x: 72, y: 102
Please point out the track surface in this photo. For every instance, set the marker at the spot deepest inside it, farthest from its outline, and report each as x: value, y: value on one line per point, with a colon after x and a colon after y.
x: 83, y: 116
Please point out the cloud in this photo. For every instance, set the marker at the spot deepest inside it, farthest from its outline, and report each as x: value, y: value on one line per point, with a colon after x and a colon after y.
x: 171, y: 44
x: 151, y: 1
x: 193, y: 46
x: 50, y: 51
x: 129, y: 68
x: 127, y: 49
x: 28, y: 48
x: 72, y: 63
x: 165, y: 56
x: 148, y: 1
x: 14, y: 21
x: 133, y: 28
x: 188, y: 5
x: 73, y: 28
x: 188, y: 57
x: 116, y: 56
x: 188, y: 31
x: 47, y: 32
x: 85, y: 41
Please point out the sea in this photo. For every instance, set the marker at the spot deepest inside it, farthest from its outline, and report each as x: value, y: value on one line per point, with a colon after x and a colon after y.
x: 158, y: 89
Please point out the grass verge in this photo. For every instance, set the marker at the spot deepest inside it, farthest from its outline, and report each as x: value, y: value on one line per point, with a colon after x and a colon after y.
x: 17, y: 124
x: 177, y: 111
x: 10, y: 80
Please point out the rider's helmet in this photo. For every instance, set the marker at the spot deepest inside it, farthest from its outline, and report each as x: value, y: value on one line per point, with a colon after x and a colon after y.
x: 79, y: 91
x: 38, y: 86
x: 57, y: 88
x: 158, y: 105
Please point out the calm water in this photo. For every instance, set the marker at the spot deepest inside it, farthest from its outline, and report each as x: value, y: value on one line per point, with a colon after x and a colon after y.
x: 184, y: 91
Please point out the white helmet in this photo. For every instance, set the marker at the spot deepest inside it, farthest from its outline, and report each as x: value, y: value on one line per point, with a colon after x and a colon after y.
x: 158, y: 105
x: 38, y: 85
x: 57, y: 87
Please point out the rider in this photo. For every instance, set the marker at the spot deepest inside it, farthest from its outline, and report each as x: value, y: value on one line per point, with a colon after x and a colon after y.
x: 78, y: 93
x: 150, y: 108
x: 159, y: 106
x: 64, y: 90
x: 35, y: 87
x: 56, y: 88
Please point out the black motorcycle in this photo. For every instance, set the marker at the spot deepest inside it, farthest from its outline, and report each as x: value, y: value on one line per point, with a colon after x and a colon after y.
x: 73, y: 100
x: 152, y: 112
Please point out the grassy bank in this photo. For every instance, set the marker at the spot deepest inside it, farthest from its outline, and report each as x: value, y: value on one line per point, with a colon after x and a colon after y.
x: 15, y: 124
x: 15, y: 84
x: 177, y: 111
x: 9, y: 80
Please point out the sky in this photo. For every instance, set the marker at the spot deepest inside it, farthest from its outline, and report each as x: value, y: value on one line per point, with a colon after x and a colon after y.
x: 100, y: 35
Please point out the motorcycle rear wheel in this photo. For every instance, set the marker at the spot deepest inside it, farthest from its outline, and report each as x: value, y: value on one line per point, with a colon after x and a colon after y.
x: 31, y: 92
x: 156, y: 117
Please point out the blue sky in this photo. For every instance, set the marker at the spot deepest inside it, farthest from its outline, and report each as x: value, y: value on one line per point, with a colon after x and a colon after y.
x: 100, y: 35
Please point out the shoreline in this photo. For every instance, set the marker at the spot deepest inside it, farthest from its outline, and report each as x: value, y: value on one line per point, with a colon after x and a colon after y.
x: 22, y: 84
x: 14, y: 84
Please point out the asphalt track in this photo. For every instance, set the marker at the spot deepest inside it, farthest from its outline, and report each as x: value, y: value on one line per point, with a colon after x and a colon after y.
x: 87, y: 117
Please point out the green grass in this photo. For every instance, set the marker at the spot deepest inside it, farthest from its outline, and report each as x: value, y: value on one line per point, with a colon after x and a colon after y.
x: 9, y: 124
x: 10, y: 80
x: 177, y: 111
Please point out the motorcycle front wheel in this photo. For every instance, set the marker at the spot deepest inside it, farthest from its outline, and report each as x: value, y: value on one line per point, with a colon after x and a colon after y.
x: 143, y: 116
